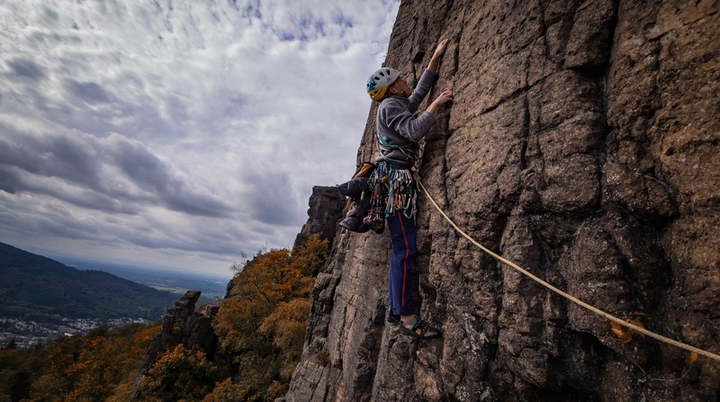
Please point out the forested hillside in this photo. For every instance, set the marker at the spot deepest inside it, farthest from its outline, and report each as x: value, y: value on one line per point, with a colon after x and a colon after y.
x: 261, y: 327
x: 38, y: 288
x: 97, y: 367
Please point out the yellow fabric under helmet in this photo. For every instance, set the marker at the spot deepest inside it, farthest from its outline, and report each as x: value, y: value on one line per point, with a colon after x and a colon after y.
x: 378, y: 82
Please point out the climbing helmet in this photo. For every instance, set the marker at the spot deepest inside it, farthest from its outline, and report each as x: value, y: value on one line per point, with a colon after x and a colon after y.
x: 378, y: 82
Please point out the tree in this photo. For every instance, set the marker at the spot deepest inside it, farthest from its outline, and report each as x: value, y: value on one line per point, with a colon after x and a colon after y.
x: 179, y: 375
x: 95, y: 367
x: 262, y: 322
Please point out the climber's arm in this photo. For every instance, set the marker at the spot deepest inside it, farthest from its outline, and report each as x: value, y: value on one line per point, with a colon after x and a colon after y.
x: 439, y: 51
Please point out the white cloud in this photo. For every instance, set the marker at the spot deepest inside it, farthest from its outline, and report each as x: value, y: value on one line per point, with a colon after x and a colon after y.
x: 187, y: 132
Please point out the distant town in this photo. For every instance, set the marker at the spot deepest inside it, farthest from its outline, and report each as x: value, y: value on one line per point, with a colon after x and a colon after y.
x: 26, y: 334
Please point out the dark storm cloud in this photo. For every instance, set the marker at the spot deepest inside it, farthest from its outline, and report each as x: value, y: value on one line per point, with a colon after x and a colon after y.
x: 140, y: 164
x: 89, y: 200
x: 72, y: 159
x: 148, y: 171
x: 9, y: 180
x: 84, y: 164
x: 73, y: 165
x: 88, y: 91
x: 271, y: 200
x: 196, y: 204
x: 26, y: 68
x: 63, y: 225
x: 14, y: 181
x: 62, y: 157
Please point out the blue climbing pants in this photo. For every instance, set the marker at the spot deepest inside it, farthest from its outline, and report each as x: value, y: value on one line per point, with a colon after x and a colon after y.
x: 402, y: 233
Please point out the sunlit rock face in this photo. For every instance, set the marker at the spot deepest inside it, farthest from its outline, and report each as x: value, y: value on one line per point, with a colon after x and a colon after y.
x: 583, y: 144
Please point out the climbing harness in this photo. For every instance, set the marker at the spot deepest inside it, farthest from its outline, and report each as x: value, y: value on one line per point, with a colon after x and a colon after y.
x: 595, y: 310
x: 393, y: 191
x: 392, y: 183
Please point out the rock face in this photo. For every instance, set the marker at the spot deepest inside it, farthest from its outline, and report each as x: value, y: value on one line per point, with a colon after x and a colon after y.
x: 583, y: 145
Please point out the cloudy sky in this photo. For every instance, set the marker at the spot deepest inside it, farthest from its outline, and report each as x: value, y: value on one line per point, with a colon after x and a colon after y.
x: 180, y: 133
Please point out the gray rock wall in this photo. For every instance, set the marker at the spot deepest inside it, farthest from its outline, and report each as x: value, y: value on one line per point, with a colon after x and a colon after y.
x: 583, y: 145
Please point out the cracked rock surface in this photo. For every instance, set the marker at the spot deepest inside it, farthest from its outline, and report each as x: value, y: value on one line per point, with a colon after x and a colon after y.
x: 582, y: 144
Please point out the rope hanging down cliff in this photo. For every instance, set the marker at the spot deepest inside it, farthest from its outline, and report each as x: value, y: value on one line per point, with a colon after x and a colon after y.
x: 595, y: 310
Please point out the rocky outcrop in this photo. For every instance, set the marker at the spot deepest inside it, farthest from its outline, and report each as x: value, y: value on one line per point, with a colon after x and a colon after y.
x: 325, y: 208
x: 583, y: 145
x: 183, y: 325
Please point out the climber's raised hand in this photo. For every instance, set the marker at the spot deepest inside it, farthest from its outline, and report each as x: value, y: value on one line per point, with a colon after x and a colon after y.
x: 439, y: 52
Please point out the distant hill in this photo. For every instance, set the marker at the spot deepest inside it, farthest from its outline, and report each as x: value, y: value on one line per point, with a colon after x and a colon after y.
x: 35, y: 287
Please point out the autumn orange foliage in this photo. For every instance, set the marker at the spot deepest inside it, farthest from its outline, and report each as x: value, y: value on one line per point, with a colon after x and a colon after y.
x: 97, y: 367
x: 179, y: 375
x: 263, y: 321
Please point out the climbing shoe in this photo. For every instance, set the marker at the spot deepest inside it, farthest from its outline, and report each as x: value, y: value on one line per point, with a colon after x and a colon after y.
x: 420, y: 330
x: 392, y: 318
x: 354, y: 219
x: 354, y: 224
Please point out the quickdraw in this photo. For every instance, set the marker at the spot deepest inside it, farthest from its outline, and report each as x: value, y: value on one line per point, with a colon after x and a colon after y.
x: 393, y: 189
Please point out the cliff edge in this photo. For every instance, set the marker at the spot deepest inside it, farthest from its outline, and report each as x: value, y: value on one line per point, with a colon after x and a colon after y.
x: 583, y: 145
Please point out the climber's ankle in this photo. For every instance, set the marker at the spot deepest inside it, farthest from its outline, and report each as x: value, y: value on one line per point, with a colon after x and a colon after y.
x: 408, y: 320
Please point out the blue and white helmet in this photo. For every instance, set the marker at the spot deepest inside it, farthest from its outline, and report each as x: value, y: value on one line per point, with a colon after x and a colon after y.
x: 378, y: 82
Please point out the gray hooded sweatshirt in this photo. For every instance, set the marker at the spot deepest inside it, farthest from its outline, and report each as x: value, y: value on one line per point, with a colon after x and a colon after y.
x: 398, y: 128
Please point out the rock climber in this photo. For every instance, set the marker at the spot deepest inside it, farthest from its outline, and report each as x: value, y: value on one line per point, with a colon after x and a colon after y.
x: 399, y: 128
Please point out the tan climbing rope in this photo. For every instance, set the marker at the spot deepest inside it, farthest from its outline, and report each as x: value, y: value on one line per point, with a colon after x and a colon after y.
x: 595, y: 310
